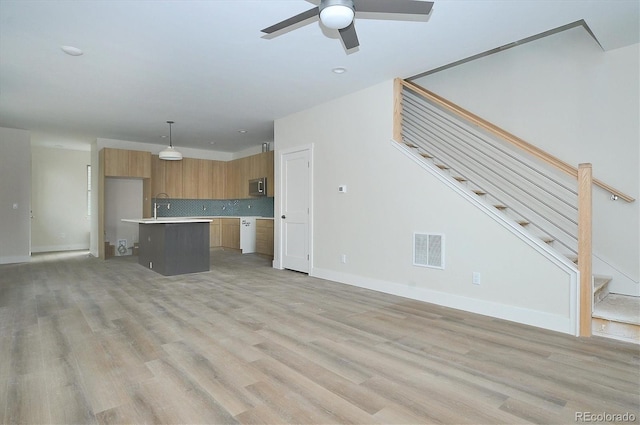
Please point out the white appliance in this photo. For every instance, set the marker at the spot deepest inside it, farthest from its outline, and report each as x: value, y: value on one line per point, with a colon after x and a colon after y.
x: 247, y: 235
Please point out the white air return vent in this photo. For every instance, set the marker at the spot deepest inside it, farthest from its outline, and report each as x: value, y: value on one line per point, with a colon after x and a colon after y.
x: 428, y: 250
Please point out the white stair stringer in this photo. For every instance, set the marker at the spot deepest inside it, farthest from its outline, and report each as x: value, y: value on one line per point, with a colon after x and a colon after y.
x: 503, y: 219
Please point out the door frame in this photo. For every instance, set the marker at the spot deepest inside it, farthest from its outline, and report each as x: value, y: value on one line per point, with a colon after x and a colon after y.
x: 279, y: 188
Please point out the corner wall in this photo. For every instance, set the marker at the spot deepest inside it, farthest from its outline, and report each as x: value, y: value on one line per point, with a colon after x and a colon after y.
x: 389, y: 198
x: 15, y: 196
x: 565, y: 95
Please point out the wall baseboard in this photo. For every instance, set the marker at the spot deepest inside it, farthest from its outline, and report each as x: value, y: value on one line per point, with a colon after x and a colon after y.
x: 16, y: 259
x: 57, y: 248
x: 521, y: 315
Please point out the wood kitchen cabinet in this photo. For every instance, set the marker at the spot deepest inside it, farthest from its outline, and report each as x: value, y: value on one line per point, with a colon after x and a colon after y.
x: 218, y: 180
x: 215, y: 233
x: 158, y: 175
x: 173, y: 179
x: 190, y: 178
x: 230, y: 233
x: 264, y: 236
x: 126, y: 163
x: 240, y: 171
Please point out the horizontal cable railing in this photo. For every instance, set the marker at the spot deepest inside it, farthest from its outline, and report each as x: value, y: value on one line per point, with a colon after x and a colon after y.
x: 504, y: 135
x: 545, y: 202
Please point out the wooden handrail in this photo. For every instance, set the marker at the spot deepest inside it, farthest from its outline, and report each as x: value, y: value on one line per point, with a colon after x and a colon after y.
x: 514, y: 140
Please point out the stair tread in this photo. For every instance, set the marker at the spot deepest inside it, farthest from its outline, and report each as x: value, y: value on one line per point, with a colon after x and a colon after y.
x: 599, y: 281
x: 460, y: 179
x: 523, y: 222
x: 619, y: 308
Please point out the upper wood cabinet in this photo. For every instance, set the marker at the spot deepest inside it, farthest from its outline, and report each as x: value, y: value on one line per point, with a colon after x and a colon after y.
x: 218, y: 180
x: 190, y: 177
x: 173, y: 178
x: 126, y: 163
x: 241, y: 170
x: 194, y: 178
x: 158, y: 173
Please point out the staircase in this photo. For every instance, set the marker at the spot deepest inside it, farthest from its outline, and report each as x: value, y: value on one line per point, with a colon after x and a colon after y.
x: 543, y: 203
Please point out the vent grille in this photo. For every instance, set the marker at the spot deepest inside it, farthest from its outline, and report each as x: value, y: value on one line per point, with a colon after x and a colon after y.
x: 428, y: 250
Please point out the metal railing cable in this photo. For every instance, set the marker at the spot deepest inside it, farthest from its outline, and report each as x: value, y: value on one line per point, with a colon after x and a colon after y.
x: 530, y: 191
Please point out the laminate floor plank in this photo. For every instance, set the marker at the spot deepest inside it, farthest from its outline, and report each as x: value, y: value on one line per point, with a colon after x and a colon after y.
x: 111, y: 342
x: 27, y: 401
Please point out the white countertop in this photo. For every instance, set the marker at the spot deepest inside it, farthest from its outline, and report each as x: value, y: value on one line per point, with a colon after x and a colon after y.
x: 167, y: 220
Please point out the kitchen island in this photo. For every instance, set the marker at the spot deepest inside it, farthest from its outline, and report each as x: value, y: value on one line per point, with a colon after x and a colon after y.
x: 173, y: 246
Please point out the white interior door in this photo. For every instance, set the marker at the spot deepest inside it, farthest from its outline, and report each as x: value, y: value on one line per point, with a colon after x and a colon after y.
x: 295, y: 201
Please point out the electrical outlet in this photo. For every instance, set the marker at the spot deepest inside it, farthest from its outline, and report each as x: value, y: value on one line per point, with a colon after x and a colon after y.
x: 476, y: 278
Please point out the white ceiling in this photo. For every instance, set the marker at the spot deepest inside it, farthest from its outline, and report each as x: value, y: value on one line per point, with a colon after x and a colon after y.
x: 206, y: 65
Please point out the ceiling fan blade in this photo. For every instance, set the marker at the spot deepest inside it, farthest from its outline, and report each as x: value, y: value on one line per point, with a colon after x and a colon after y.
x: 293, y: 20
x: 411, y: 7
x: 349, y: 36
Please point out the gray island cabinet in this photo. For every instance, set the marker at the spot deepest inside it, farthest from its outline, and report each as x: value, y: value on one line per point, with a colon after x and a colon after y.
x: 174, y: 246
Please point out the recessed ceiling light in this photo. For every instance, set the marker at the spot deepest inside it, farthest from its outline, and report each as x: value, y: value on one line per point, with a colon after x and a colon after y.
x: 73, y: 51
x: 339, y: 70
x: 242, y: 131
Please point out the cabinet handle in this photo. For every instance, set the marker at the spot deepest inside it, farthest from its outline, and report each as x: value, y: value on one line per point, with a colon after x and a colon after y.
x: 283, y: 216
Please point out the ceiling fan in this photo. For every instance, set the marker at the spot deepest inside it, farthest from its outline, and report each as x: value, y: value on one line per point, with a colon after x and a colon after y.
x: 339, y: 14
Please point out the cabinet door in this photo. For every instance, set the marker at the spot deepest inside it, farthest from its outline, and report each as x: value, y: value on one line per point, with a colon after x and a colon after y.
x: 264, y: 237
x: 157, y: 176
x: 233, y: 179
x: 190, y: 178
x: 173, y: 179
x: 205, y: 178
x: 218, y: 180
x: 116, y: 162
x: 215, y: 233
x: 230, y: 233
x: 270, y: 175
x: 139, y: 164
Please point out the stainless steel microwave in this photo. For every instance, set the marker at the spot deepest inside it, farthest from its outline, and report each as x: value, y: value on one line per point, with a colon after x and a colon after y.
x: 258, y: 187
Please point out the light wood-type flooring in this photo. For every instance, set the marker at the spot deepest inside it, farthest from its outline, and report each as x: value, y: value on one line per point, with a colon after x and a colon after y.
x: 86, y: 341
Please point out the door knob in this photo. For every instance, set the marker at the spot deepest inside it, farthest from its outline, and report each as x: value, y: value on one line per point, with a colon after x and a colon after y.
x: 283, y: 216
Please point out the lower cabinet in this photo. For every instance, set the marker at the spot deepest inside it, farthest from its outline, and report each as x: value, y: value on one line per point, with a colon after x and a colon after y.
x: 264, y: 237
x: 215, y: 233
x: 230, y: 233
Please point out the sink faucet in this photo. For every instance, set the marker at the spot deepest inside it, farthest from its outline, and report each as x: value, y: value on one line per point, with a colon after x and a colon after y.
x: 157, y: 204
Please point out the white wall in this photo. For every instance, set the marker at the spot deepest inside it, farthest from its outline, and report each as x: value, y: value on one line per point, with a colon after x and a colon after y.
x: 15, y: 195
x: 568, y: 97
x: 59, y: 199
x: 122, y: 199
x: 389, y: 198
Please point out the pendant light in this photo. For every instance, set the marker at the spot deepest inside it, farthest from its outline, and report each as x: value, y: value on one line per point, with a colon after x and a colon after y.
x: 170, y: 154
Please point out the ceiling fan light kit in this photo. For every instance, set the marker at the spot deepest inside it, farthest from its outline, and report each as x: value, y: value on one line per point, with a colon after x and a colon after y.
x: 170, y: 153
x: 336, y: 14
x: 340, y: 15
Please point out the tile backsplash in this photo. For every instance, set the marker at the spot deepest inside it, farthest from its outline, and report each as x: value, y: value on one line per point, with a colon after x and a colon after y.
x: 260, y: 207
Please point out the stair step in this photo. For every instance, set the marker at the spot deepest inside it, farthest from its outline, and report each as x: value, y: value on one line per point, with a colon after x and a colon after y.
x: 547, y: 239
x: 617, y: 316
x: 426, y: 155
x: 443, y: 166
x: 501, y: 207
x: 479, y: 192
x: 600, y: 288
x: 409, y: 144
x: 460, y: 179
x: 523, y: 222
x: 573, y: 258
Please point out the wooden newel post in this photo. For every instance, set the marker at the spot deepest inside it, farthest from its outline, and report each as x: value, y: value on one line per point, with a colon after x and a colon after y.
x: 397, y: 110
x: 585, y: 180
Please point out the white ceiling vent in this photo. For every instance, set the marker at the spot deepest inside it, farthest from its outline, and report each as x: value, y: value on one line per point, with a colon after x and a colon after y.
x: 428, y: 250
